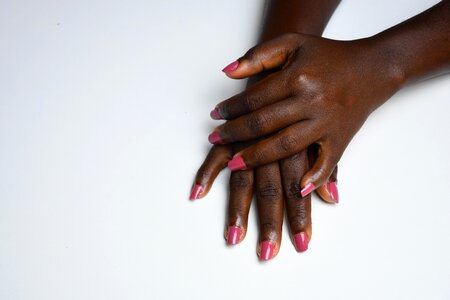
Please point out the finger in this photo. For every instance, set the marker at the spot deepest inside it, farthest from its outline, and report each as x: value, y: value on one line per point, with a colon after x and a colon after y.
x: 287, y: 142
x: 298, y: 208
x: 328, y: 192
x: 266, y: 91
x: 269, y: 198
x: 265, y: 56
x: 241, y: 190
x: 260, y: 122
x: 328, y: 157
x: 215, y: 161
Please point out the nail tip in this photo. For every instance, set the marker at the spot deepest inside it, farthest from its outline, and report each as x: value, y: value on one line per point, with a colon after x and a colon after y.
x: 307, y: 189
x: 234, y: 235
x: 301, y: 241
x: 215, y: 114
x: 333, y: 190
x: 237, y: 163
x: 196, y: 191
x: 214, y: 138
x: 266, y: 251
x: 231, y: 67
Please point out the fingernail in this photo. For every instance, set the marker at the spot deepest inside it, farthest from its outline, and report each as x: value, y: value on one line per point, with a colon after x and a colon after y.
x: 333, y: 190
x: 214, y: 138
x: 231, y: 67
x: 215, y: 114
x: 266, y: 250
x: 234, y: 234
x: 237, y: 163
x: 196, y: 190
x: 301, y: 241
x: 307, y: 189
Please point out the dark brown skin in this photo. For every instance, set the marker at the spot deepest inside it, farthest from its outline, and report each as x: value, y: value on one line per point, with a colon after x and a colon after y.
x: 276, y: 183
x: 325, y: 89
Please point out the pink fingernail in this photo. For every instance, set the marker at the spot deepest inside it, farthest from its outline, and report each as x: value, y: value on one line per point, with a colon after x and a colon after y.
x: 333, y: 190
x: 231, y: 67
x: 266, y: 250
x: 196, y: 190
x: 234, y: 234
x: 215, y: 114
x: 214, y: 138
x: 301, y: 241
x: 307, y: 189
x: 237, y: 163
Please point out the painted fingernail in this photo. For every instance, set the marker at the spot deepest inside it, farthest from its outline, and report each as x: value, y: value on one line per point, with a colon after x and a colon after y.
x: 234, y: 234
x: 307, y: 189
x: 196, y: 190
x: 237, y: 163
x: 333, y: 190
x: 266, y: 250
x: 301, y: 241
x: 214, y: 138
x: 215, y: 114
x: 231, y: 67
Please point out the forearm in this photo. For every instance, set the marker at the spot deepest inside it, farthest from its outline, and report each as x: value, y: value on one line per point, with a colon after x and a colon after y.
x: 300, y: 16
x: 419, y: 48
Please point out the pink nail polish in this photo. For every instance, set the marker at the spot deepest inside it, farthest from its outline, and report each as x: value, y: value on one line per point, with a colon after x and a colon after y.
x: 196, y: 190
x: 214, y: 138
x: 301, y: 241
x: 333, y: 190
x: 307, y: 189
x: 237, y: 163
x: 231, y: 67
x: 234, y: 234
x: 266, y: 250
x: 215, y: 114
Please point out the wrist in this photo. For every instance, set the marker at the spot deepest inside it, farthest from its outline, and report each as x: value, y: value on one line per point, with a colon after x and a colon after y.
x: 384, y: 71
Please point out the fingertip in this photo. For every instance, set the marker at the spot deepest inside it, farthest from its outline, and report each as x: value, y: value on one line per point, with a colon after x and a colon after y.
x: 266, y: 250
x: 233, y: 235
x: 231, y: 67
x: 215, y: 114
x: 196, y: 192
x: 237, y: 163
x: 329, y: 192
x: 307, y: 189
x: 301, y: 241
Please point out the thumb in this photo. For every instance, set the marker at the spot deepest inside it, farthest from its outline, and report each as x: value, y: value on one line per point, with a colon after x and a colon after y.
x: 265, y: 56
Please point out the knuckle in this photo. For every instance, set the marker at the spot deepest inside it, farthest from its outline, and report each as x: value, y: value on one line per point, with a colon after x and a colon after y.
x: 257, y: 123
x: 288, y: 143
x: 293, y: 192
x: 251, y: 54
x: 239, y: 180
x: 269, y: 191
x: 249, y: 101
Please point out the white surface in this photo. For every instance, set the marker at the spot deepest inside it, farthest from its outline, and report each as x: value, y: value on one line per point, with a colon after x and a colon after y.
x: 103, y: 121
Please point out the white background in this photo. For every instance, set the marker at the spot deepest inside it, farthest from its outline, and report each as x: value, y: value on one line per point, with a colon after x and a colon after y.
x: 104, y: 117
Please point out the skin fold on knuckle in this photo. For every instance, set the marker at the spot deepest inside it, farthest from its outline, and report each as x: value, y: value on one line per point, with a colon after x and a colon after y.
x: 249, y: 101
x: 293, y: 190
x: 269, y: 192
x: 240, y: 180
x: 257, y: 124
x: 288, y: 143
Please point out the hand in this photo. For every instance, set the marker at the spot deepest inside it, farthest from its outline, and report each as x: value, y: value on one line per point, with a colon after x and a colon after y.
x: 272, y: 183
x: 322, y: 95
